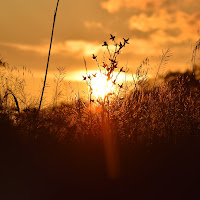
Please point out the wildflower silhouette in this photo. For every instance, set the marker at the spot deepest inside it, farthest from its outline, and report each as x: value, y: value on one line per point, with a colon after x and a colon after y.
x: 106, y: 75
x: 112, y: 37
x: 105, y: 44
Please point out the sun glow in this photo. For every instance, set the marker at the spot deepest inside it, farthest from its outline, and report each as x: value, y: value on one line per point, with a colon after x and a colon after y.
x: 101, y: 86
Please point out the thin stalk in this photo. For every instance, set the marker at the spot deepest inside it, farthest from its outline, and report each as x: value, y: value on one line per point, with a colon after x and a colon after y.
x: 49, y: 55
x: 163, y: 61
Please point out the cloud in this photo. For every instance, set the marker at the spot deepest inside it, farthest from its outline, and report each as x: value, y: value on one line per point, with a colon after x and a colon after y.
x: 41, y: 49
x: 93, y: 24
x: 72, y: 47
x: 112, y: 5
x: 82, y: 47
x: 115, y: 5
x: 141, y: 47
x: 174, y: 27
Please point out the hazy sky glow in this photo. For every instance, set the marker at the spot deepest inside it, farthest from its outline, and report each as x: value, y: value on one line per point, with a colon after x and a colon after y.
x: 82, y: 26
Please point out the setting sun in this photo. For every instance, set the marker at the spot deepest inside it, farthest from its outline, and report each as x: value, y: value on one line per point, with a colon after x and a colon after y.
x: 101, y: 87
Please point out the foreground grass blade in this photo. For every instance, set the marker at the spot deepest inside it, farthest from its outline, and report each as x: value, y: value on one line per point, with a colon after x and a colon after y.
x: 48, y: 55
x: 15, y: 98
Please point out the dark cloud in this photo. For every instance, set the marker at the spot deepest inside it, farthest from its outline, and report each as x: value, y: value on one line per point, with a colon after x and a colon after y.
x: 195, y: 19
x: 143, y: 34
x: 174, y: 32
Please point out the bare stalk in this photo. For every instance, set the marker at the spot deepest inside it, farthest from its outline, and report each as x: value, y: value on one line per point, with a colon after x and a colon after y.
x: 49, y: 55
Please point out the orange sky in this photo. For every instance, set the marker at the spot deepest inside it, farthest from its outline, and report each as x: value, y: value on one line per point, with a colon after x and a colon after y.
x: 82, y: 27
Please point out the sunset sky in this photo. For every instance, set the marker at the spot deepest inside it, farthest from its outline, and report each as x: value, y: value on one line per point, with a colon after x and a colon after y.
x: 82, y: 27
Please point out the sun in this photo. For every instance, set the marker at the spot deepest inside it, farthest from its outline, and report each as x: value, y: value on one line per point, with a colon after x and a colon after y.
x: 101, y: 86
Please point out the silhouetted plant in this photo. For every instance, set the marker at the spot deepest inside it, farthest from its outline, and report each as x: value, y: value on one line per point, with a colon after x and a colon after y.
x: 45, y: 78
x: 9, y: 92
x: 194, y: 54
x: 58, y: 80
x: 165, y: 58
x: 106, y: 71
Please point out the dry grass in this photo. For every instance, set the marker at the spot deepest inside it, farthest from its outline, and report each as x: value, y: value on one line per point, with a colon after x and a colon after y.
x: 141, y: 114
x: 62, y: 145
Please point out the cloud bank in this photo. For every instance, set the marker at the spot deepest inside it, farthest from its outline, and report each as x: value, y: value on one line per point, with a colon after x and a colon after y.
x: 74, y: 47
x: 174, y: 27
x: 115, y: 5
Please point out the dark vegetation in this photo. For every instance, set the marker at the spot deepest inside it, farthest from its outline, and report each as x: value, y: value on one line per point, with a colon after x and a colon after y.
x: 58, y: 151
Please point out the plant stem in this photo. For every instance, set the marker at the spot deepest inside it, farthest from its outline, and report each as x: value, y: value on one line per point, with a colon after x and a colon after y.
x: 48, y: 55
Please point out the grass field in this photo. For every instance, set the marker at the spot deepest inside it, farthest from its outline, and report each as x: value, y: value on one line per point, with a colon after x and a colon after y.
x: 61, y: 151
x: 133, y: 140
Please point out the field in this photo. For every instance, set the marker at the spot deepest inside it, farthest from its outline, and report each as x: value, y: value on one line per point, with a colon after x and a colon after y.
x: 131, y: 139
x: 143, y: 143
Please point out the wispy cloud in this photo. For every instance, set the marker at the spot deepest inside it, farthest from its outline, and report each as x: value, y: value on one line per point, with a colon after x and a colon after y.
x: 41, y: 49
x: 93, y: 24
x: 115, y: 5
x: 83, y: 48
x: 72, y: 47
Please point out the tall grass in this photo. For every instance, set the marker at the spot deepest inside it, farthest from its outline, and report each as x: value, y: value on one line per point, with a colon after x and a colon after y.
x: 139, y: 114
x: 153, y: 115
x: 143, y: 113
x: 12, y: 90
